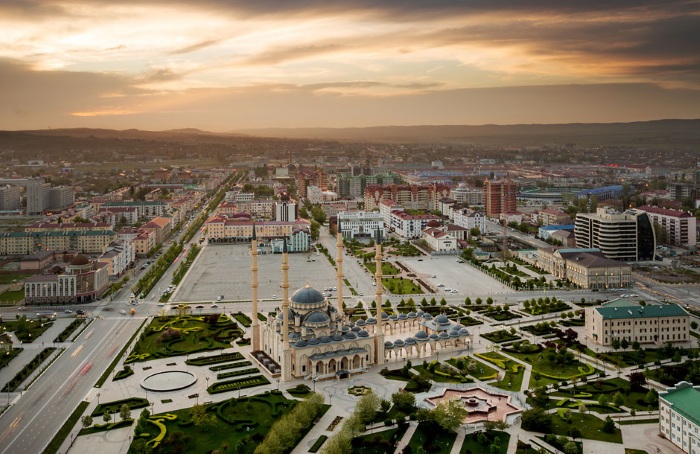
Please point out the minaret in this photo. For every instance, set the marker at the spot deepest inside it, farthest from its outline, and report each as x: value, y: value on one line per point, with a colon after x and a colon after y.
x: 254, y: 286
x: 339, y: 261
x: 379, y: 333
x: 286, y: 352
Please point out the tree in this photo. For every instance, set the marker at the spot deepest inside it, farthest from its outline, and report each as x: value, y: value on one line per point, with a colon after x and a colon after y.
x: 125, y: 412
x: 467, y: 301
x: 651, y: 397
x: 198, y: 415
x: 489, y: 301
x: 86, y: 420
x: 571, y: 448
x: 615, y: 344
x: 366, y: 408
x: 106, y: 416
x: 618, y: 399
x: 608, y: 425
x: 637, y: 381
x: 537, y: 377
x: 450, y: 414
x: 404, y: 401
x: 537, y: 420
x: 694, y: 324
x: 478, y: 301
x: 624, y: 344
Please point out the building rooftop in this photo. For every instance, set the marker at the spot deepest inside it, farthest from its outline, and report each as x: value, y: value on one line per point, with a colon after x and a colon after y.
x: 619, y: 311
x: 685, y: 400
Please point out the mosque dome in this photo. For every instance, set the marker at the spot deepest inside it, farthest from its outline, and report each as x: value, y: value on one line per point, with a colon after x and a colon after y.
x: 300, y: 343
x: 388, y: 345
x: 307, y: 295
x: 410, y: 341
x: 399, y: 343
x: 362, y: 333
x: 412, y: 315
x: 337, y: 337
x: 402, y: 317
x: 443, y: 335
x: 317, y: 318
x: 350, y: 335
x: 442, y: 320
x: 421, y: 336
x: 434, y: 337
x: 80, y: 260
x: 360, y: 322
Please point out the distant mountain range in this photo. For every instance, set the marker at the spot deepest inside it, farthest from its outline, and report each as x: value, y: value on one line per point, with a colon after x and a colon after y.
x: 666, y: 134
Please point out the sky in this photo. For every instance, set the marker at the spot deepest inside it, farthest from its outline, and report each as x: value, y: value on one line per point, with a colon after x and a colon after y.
x: 226, y: 65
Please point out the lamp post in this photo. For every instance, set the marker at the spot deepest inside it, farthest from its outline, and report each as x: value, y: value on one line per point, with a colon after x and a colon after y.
x: 98, y: 399
x: 314, y: 380
x: 278, y: 384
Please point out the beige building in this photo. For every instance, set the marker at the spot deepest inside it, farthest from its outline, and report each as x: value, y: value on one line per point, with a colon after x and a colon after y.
x: 650, y: 324
x: 83, y: 281
x: 587, y: 268
x: 679, y: 416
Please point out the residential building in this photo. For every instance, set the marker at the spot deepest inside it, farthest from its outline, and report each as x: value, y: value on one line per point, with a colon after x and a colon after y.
x: 500, y: 197
x: 118, y: 257
x: 551, y: 216
x: 409, y: 226
x: 679, y: 416
x: 144, y: 209
x: 386, y: 206
x: 260, y: 208
x: 465, y: 194
x: 361, y: 224
x: 546, y: 231
x: 651, y: 324
x: 619, y: 236
x: 37, y: 195
x: 470, y: 219
x: 314, y: 194
x: 223, y: 230
x: 61, y: 197
x: 10, y: 198
x: 244, y: 197
x: 680, y: 191
x: 161, y: 226
x: 411, y: 197
x: 81, y: 282
x: 679, y: 227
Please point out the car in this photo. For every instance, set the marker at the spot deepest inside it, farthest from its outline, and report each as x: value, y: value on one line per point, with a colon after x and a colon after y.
x: 80, y: 312
x: 434, y: 276
x: 454, y: 290
x: 460, y: 261
x: 274, y: 297
x: 219, y: 298
x: 199, y: 306
x: 448, y: 289
x: 441, y: 284
x: 123, y: 312
x: 362, y: 294
x: 161, y: 304
x: 335, y: 289
x: 420, y: 260
x: 68, y: 311
x: 214, y: 306
x: 374, y: 283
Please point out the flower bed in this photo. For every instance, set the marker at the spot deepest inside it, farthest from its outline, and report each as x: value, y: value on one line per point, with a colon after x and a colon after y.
x: 236, y: 373
x: 207, y: 360
x: 230, y: 385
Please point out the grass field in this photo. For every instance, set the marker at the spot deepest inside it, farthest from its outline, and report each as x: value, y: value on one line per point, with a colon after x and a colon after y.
x: 590, y: 427
x: 400, y: 286
x: 439, y: 442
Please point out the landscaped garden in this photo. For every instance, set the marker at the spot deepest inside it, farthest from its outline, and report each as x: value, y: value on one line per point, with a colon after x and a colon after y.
x: 481, y: 442
x: 236, y: 424
x: 501, y: 336
x: 401, y: 286
x: 183, y: 334
x: 513, y: 372
x: 26, y: 330
x: 379, y: 442
x: 544, y: 306
x: 388, y: 269
x: 549, y: 365
x: 468, y: 365
x: 426, y: 437
x: 669, y: 375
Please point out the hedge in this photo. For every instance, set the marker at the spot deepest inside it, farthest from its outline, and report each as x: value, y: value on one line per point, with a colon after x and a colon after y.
x: 206, y: 360
x: 230, y: 385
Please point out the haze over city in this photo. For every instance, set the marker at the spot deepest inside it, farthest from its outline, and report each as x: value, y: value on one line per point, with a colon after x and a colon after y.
x: 228, y: 65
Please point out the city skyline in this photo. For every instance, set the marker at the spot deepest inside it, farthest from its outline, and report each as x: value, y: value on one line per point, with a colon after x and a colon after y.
x: 228, y: 65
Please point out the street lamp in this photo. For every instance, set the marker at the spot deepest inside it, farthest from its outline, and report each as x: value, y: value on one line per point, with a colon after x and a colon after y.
x: 98, y: 399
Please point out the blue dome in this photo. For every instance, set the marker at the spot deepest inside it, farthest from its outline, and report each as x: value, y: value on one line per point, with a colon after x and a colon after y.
x: 317, y: 318
x: 410, y: 341
x: 444, y: 335
x: 392, y: 317
x: 345, y: 328
x: 454, y: 333
x: 280, y: 316
x: 399, y: 343
x: 325, y: 339
x: 350, y: 335
x: 371, y: 321
x: 420, y: 313
x: 300, y: 343
x: 412, y: 315
x: 313, y: 341
x: 427, y: 316
x: 388, y: 345
x: 421, y: 336
x: 307, y: 295
x: 455, y: 329
x: 442, y: 320
x: 434, y: 337
x: 464, y: 332
x: 363, y: 333
x: 360, y: 322
x: 385, y: 316
x: 403, y: 316
x: 337, y: 337
x: 293, y: 336
x: 355, y: 329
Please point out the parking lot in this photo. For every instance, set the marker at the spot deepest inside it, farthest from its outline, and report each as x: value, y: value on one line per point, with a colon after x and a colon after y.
x: 467, y: 280
x: 225, y: 270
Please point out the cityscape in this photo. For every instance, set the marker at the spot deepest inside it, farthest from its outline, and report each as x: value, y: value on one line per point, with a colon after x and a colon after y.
x: 349, y: 227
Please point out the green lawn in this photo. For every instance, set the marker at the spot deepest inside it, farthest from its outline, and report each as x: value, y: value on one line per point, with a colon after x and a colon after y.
x: 11, y: 297
x: 26, y: 330
x: 471, y: 443
x: 399, y: 286
x: 377, y: 443
x: 6, y: 279
x: 608, y: 387
x: 482, y: 371
x: 514, y: 372
x: 233, y: 416
x: 196, y: 335
x: 540, y: 364
x: 590, y: 427
x: 426, y: 435
x: 500, y: 336
x: 388, y: 269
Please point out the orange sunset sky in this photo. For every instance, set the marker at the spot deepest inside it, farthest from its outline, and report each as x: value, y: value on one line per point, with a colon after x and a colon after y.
x: 221, y: 65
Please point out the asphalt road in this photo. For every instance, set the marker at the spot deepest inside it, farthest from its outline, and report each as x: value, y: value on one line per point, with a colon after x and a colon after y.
x: 30, y: 424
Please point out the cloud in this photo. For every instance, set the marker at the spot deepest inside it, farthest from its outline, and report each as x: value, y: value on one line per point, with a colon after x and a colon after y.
x: 196, y: 46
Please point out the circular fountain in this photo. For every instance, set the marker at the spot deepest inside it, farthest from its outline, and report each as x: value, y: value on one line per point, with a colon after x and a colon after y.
x: 171, y: 380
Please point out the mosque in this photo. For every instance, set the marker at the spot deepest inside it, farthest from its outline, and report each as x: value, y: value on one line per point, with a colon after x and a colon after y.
x: 310, y: 337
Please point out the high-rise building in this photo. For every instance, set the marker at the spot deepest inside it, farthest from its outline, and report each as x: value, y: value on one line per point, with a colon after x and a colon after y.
x: 38, y: 196
x: 61, y: 197
x: 619, y: 236
x: 285, y: 210
x: 500, y: 197
x: 9, y: 198
x: 678, y: 226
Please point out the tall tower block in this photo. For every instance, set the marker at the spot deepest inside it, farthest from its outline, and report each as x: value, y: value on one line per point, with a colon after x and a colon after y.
x: 254, y: 286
